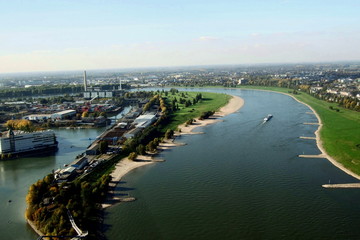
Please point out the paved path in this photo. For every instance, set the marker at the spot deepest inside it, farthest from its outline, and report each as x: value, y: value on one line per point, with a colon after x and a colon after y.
x: 76, y: 228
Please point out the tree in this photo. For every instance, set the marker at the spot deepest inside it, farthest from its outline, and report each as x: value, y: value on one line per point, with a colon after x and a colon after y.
x: 206, y: 115
x: 85, y: 114
x: 169, y: 133
x: 132, y: 156
x: 43, y: 101
x: 151, y: 146
x: 140, y: 149
x: 22, y: 124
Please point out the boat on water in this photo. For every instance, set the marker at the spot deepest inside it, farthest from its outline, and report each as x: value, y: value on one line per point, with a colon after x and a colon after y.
x: 268, y: 117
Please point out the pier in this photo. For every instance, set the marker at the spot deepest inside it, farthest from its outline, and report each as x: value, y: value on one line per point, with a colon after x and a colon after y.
x: 343, y: 185
x: 312, y: 156
x: 309, y: 123
x: 312, y: 138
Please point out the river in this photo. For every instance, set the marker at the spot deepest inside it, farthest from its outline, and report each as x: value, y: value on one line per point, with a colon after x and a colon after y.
x: 242, y: 179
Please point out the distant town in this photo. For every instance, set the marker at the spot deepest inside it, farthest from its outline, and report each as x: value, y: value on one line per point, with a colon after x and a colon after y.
x: 27, y: 94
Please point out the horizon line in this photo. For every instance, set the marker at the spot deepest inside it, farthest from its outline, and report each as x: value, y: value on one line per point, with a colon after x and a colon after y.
x: 184, y: 66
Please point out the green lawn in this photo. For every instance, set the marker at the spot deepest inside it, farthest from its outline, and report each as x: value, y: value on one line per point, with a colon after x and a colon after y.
x: 209, y: 102
x: 341, y: 130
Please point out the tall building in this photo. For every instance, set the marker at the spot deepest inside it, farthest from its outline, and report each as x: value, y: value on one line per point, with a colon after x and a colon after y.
x: 85, y: 82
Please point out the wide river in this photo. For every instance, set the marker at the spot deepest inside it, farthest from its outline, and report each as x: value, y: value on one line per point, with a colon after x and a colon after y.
x: 242, y: 179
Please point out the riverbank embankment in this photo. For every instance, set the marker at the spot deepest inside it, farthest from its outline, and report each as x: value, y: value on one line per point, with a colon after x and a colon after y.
x: 318, y: 139
x: 319, y: 143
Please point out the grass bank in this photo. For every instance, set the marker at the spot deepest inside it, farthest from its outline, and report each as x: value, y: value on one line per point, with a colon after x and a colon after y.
x: 340, y: 133
x: 209, y: 102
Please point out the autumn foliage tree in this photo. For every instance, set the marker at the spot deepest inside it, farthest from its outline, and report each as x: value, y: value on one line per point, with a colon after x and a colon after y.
x: 23, y: 125
x: 48, y: 204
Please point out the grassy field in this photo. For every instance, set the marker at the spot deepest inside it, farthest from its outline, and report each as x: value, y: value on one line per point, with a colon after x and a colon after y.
x: 209, y: 102
x: 341, y: 130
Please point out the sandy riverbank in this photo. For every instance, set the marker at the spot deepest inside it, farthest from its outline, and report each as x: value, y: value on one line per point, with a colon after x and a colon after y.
x: 319, y: 142
x: 233, y: 105
x: 125, y: 165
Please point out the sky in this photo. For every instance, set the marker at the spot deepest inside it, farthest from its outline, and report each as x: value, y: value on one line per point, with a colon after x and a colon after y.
x: 57, y: 35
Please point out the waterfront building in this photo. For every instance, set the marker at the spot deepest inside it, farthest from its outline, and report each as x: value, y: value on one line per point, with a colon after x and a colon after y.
x: 17, y: 142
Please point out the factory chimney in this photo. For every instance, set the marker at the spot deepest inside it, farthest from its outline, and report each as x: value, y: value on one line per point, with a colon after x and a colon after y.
x: 85, y: 82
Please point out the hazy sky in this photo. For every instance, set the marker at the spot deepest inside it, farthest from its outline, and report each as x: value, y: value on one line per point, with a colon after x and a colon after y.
x: 46, y: 35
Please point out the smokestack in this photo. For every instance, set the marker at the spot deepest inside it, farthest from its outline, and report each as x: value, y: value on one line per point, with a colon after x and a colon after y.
x: 85, y: 83
x: 120, y: 85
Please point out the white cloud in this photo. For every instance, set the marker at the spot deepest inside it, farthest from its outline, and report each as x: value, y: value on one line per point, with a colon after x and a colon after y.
x: 207, y: 38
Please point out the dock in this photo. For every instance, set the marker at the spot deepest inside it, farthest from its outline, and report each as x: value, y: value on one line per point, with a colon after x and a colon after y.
x: 343, y: 185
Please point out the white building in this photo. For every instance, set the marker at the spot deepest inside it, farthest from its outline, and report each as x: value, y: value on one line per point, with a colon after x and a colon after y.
x: 19, y: 142
x: 38, y: 117
x: 100, y: 94
x: 144, y: 121
x: 345, y: 93
x: 63, y: 114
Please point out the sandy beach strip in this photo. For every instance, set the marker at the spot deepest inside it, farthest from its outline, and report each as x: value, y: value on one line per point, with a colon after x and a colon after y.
x: 123, y: 167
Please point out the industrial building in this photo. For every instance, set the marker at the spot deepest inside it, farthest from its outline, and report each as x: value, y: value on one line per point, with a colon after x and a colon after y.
x: 96, y: 92
x: 144, y: 121
x: 38, y: 117
x: 63, y: 114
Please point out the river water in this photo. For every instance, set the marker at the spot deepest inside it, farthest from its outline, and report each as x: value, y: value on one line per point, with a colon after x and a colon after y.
x: 242, y: 179
x: 17, y: 175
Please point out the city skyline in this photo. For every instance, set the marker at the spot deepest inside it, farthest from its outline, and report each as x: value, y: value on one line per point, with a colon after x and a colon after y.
x: 65, y: 35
